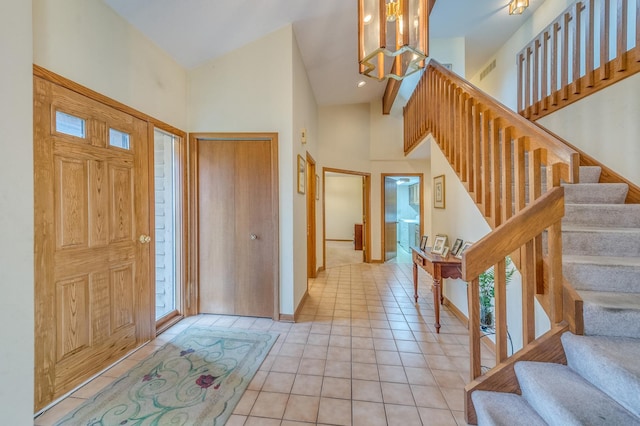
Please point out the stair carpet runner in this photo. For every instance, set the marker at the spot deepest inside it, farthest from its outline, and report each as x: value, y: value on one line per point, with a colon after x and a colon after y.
x: 600, y: 385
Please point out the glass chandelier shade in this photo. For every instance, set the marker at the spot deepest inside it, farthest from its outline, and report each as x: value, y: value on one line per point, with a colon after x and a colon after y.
x: 516, y: 7
x: 392, y: 37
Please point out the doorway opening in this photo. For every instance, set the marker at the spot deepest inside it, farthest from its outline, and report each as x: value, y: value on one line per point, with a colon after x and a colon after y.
x: 346, y: 205
x: 403, y: 215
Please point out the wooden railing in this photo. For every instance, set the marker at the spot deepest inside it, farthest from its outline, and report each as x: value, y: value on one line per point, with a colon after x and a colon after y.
x: 503, y: 161
x: 590, y: 46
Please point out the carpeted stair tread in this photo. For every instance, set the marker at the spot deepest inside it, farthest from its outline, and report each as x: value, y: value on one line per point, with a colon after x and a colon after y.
x: 593, y: 193
x: 615, y: 215
x: 561, y: 397
x: 609, y: 363
x: 594, y: 241
x: 611, y: 313
x: 618, y: 274
x: 504, y: 409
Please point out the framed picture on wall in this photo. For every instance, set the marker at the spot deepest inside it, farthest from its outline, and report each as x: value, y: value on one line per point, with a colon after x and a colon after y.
x: 302, y: 167
x: 438, y: 192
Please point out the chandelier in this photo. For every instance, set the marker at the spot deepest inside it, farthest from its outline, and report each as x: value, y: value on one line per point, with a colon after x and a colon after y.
x: 516, y: 7
x: 392, y: 37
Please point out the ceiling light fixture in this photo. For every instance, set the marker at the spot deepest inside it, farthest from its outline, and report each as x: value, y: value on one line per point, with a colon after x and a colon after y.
x: 516, y: 7
x: 392, y: 37
x: 361, y: 83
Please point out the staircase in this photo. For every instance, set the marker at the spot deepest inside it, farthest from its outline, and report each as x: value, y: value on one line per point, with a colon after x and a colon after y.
x: 600, y: 385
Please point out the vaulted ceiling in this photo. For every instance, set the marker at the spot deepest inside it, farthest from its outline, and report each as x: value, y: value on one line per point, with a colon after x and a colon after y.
x: 195, y: 31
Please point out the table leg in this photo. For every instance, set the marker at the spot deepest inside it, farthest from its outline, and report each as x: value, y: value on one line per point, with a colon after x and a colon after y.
x: 415, y: 282
x: 436, y: 306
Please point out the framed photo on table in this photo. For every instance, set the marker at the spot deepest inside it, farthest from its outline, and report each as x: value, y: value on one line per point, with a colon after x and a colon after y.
x: 438, y: 192
x: 456, y: 246
x: 439, y: 244
x: 423, y: 242
x: 462, y: 249
x: 302, y: 167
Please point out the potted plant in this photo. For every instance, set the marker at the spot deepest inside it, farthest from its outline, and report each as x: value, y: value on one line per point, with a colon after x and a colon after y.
x: 487, y: 293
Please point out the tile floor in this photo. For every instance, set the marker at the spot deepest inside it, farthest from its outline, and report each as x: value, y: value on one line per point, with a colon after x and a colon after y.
x: 362, y: 353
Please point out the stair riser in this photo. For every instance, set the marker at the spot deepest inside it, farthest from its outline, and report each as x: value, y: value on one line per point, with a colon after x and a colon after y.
x: 595, y: 193
x: 616, y: 244
x: 609, y: 371
x: 603, y: 321
x: 619, y: 215
x: 614, y: 278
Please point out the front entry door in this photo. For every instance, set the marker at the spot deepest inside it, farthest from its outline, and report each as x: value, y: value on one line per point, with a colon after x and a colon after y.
x: 237, y: 225
x: 92, y: 275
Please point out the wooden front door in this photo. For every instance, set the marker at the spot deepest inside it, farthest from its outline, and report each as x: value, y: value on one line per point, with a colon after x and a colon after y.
x: 92, y: 291
x: 237, y: 225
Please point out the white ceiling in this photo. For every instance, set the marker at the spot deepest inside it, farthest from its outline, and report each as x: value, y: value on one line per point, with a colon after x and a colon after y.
x: 195, y: 31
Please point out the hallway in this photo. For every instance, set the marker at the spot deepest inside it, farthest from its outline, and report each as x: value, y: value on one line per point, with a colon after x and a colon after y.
x: 361, y: 354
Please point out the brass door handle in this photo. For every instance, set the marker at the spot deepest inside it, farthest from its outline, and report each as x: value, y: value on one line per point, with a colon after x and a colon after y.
x: 144, y: 239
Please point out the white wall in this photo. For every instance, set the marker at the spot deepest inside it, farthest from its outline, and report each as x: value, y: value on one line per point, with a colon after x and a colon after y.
x: 16, y: 214
x: 605, y: 125
x: 343, y: 205
x: 228, y: 95
x: 87, y: 42
x: 305, y: 116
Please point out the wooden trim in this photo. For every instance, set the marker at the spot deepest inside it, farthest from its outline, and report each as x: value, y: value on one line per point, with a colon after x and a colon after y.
x: 286, y: 318
x: 420, y: 176
x: 311, y: 218
x: 366, y: 196
x: 194, y: 139
x: 378, y: 261
x: 548, y: 348
x: 152, y: 227
x: 39, y: 71
x: 167, y: 322
x: 342, y: 241
x: 456, y: 312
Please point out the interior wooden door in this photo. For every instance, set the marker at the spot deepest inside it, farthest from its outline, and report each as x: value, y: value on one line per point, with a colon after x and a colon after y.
x: 237, y: 227
x: 390, y: 218
x: 312, y: 187
x: 92, y: 275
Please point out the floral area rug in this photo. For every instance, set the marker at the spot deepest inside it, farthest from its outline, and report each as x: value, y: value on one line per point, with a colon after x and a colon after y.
x: 197, y: 378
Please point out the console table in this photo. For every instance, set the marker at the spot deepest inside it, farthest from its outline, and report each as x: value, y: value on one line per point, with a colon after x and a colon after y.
x: 438, y: 267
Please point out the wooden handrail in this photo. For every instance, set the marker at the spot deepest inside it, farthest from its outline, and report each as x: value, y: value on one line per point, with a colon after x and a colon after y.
x: 513, y: 234
x: 502, y: 160
x: 567, y: 48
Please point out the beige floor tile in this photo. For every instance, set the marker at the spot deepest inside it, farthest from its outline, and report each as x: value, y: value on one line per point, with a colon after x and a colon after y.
x: 448, y: 379
x: 338, y: 369
x: 236, y: 420
x: 285, y: 364
x: 454, y: 398
x: 278, y: 382
x: 120, y: 368
x: 397, y: 393
x: 364, y: 371
x: 246, y: 402
x: 258, y: 380
x: 368, y: 414
x: 292, y: 349
x: 334, y: 387
x: 367, y: 356
x: 392, y: 373
x: 388, y: 358
x: 307, y: 385
x: 312, y: 366
x: 302, y: 408
x: 413, y: 360
x: 270, y: 404
x: 435, y: 416
x: 459, y: 416
x: 335, y: 411
x: 261, y: 421
x: 402, y: 415
x: 318, y: 339
x: 428, y: 396
x: 366, y: 390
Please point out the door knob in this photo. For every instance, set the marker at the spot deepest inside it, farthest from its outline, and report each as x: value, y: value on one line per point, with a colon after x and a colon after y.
x: 144, y: 239
x: 253, y: 236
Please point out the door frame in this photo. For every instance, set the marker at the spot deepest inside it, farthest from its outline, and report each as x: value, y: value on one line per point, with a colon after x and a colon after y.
x: 382, y: 198
x: 193, y: 205
x: 366, y: 212
x: 312, y: 194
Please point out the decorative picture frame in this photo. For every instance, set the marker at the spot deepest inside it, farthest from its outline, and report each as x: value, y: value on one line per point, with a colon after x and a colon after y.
x: 438, y: 192
x: 456, y: 246
x: 462, y: 249
x: 302, y: 168
x: 445, y: 251
x: 423, y: 242
x: 317, y: 187
x: 438, y: 244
